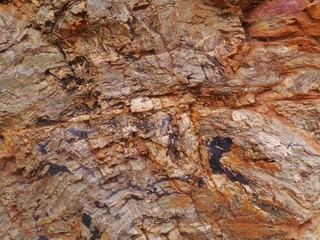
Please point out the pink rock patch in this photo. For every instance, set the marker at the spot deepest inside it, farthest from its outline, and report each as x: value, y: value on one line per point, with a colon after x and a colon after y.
x: 276, y: 7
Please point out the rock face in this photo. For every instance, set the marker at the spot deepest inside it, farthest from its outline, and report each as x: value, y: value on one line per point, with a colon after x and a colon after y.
x: 157, y: 119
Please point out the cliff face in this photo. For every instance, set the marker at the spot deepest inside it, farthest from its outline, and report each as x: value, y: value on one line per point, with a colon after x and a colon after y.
x: 159, y: 119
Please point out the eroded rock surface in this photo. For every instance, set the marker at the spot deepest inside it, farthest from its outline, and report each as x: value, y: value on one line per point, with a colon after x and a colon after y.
x: 157, y: 119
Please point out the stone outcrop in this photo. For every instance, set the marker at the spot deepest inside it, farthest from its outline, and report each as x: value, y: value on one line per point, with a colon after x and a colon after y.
x: 157, y: 119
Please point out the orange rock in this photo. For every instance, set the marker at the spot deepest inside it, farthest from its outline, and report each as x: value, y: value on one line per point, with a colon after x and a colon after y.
x: 314, y: 9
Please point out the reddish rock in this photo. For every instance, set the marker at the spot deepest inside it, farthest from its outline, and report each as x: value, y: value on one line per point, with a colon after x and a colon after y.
x: 159, y: 119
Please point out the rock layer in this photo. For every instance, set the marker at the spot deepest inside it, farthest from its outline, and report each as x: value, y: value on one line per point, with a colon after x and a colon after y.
x: 156, y: 119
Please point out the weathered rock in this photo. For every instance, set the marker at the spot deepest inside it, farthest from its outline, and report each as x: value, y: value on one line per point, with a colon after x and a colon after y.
x: 159, y: 119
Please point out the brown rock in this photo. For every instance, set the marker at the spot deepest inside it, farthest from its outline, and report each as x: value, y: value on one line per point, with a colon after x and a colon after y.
x: 159, y: 119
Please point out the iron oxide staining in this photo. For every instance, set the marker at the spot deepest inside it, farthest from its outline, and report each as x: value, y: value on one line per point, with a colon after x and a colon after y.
x: 217, y: 147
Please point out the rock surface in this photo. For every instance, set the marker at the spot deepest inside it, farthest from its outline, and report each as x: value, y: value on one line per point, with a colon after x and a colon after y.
x: 157, y: 119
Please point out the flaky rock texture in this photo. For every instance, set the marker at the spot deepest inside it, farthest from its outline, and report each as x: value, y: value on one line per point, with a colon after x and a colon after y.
x: 159, y: 119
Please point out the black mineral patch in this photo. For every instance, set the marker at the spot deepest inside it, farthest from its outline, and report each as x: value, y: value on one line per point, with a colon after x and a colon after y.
x: 217, y: 147
x: 238, y: 177
x: 55, y: 169
x: 86, y: 220
x: 42, y: 147
x: 95, y: 234
x: 148, y: 52
x: 42, y: 122
x: 49, y: 24
x: 43, y: 238
x: 201, y: 182
x: 78, y: 133
x: 130, y: 57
